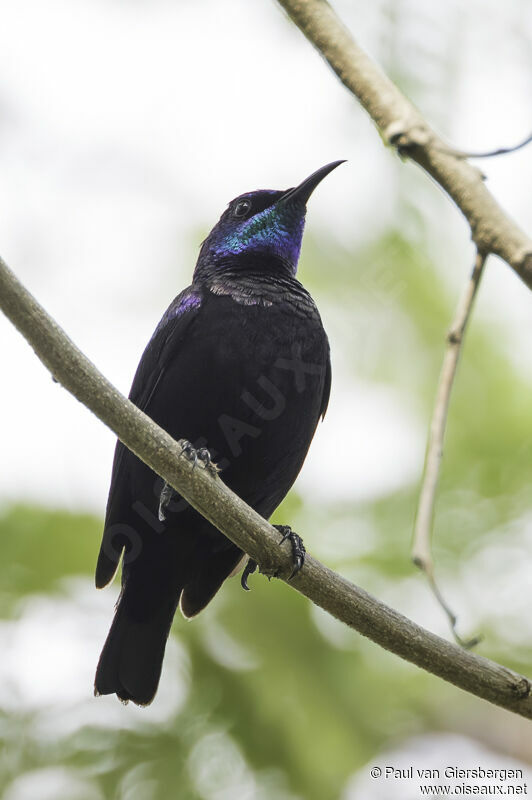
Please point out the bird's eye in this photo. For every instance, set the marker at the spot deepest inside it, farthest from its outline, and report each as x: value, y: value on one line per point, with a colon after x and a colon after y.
x: 242, y: 208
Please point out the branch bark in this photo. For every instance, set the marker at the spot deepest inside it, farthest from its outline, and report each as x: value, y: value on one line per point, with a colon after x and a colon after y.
x: 402, y: 126
x: 209, y: 495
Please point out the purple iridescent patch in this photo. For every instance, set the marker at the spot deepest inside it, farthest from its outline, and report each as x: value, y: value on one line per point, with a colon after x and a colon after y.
x: 184, y: 302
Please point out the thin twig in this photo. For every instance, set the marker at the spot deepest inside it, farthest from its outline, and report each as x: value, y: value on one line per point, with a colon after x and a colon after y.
x: 501, y: 151
x: 421, y: 549
x: 207, y: 493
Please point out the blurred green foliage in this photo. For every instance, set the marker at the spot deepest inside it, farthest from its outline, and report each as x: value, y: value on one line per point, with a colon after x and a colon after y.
x: 278, y: 700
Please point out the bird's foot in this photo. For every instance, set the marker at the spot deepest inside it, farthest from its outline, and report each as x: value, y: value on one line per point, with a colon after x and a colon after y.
x: 249, y: 569
x: 189, y: 451
x: 298, y: 548
x: 298, y: 555
x: 201, y: 455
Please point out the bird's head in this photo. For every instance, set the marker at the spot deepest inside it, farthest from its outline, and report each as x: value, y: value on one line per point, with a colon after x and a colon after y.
x: 266, y: 225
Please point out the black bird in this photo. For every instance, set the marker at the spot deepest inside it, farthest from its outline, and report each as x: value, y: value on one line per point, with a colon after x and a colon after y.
x: 239, y: 364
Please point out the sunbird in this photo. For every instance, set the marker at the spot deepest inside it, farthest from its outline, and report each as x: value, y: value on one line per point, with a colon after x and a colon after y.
x: 239, y: 367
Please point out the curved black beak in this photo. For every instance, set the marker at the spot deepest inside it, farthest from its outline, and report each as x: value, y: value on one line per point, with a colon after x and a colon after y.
x: 302, y: 192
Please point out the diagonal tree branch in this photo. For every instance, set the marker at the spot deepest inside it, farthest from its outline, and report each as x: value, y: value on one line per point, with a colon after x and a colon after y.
x: 209, y: 495
x: 401, y: 124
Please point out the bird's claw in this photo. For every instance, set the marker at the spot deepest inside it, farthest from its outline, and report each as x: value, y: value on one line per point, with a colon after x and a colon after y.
x: 298, y: 548
x: 298, y: 555
x: 249, y: 569
x: 189, y: 451
x: 191, y: 454
x: 205, y: 457
x: 201, y: 454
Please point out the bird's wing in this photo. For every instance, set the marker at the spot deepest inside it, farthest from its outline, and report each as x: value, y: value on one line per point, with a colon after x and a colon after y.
x: 171, y: 329
x: 165, y: 342
x: 326, y: 388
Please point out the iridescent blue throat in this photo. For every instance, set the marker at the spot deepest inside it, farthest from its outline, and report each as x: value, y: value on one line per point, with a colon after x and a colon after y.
x: 276, y: 231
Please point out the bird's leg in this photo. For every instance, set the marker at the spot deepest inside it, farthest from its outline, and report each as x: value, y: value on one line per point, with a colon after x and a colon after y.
x: 249, y: 569
x: 298, y: 548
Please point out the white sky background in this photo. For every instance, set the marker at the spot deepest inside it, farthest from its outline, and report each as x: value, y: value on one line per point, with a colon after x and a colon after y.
x: 126, y: 127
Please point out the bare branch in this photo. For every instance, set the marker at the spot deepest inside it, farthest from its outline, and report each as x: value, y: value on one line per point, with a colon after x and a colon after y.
x: 401, y: 124
x: 500, y: 151
x: 209, y: 495
x: 421, y: 549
